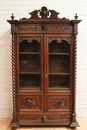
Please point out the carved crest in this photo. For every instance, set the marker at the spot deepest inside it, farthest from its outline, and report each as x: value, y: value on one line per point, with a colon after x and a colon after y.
x: 44, y: 13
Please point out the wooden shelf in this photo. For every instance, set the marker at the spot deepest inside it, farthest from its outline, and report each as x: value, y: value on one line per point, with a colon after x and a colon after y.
x: 31, y: 53
x: 59, y: 73
x: 53, y: 53
x: 29, y: 72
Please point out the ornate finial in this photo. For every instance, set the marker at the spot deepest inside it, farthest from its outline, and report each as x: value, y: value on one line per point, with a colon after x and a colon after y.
x: 76, y: 16
x: 12, y: 17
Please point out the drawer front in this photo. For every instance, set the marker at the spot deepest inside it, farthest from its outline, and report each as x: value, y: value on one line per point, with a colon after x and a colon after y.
x: 44, y: 119
x: 44, y: 28
x: 30, y: 103
x: 58, y: 103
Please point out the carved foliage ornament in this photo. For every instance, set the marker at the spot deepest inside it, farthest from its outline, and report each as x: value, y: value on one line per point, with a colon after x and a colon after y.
x: 58, y: 103
x: 44, y: 13
x: 44, y: 27
x: 54, y: 117
x: 30, y: 102
x: 29, y: 39
x: 59, y: 39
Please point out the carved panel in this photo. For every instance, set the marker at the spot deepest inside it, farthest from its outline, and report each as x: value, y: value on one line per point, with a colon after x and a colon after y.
x: 58, y: 103
x: 44, y: 27
x: 59, y: 39
x: 29, y: 39
x: 30, y: 102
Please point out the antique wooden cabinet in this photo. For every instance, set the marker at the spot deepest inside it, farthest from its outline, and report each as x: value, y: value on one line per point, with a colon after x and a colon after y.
x: 44, y: 69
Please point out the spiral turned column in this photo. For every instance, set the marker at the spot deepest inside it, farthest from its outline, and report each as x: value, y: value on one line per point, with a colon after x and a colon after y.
x: 75, y: 69
x: 13, y: 73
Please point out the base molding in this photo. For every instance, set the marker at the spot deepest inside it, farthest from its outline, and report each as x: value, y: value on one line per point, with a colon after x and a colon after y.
x: 73, y: 125
x: 14, y: 126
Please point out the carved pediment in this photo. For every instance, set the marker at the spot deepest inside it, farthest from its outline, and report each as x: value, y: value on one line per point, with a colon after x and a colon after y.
x: 44, y: 13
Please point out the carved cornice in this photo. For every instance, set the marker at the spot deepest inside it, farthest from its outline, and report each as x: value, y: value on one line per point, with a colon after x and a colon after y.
x: 29, y: 39
x: 44, y: 27
x: 59, y: 39
x: 59, y: 103
x: 30, y: 102
x: 44, y: 13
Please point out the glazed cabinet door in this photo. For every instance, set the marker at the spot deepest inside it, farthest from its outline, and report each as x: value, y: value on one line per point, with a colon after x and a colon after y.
x: 57, y: 77
x: 30, y: 85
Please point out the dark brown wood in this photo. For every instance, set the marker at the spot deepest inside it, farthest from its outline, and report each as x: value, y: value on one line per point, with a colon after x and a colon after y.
x: 44, y: 69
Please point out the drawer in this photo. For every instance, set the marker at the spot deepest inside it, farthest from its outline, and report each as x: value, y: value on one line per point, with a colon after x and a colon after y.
x: 58, y: 103
x: 44, y: 119
x: 30, y: 103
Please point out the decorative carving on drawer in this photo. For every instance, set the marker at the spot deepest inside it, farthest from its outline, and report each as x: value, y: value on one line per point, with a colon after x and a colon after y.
x: 54, y: 117
x: 29, y: 39
x: 30, y: 102
x: 44, y: 27
x: 59, y: 103
x: 59, y: 39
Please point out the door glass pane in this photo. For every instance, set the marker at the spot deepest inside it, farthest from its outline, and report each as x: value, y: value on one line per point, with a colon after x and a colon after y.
x: 59, y: 65
x: 29, y: 65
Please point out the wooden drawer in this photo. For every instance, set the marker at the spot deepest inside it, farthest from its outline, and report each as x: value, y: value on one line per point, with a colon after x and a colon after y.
x: 30, y: 103
x: 46, y: 28
x: 58, y: 103
x: 46, y: 119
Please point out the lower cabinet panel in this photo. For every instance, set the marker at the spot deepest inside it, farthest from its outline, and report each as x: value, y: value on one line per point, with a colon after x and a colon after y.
x: 58, y: 103
x: 30, y: 103
x: 51, y: 119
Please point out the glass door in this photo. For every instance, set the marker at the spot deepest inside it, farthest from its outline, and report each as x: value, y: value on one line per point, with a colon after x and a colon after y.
x: 30, y: 63
x: 58, y: 64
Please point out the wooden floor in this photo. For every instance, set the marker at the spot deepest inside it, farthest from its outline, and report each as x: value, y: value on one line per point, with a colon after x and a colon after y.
x: 4, y: 125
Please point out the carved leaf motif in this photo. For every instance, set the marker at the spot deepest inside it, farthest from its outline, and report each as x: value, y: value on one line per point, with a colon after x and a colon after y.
x: 59, y: 39
x: 30, y: 102
x: 53, y: 117
x: 58, y: 103
x: 29, y: 39
x: 44, y: 27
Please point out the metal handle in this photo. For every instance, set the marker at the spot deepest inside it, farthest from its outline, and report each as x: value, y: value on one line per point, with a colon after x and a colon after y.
x: 44, y: 118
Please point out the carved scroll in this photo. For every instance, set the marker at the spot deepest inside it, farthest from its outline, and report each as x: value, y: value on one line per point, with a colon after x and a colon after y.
x: 29, y: 39
x: 44, y: 13
x: 59, y: 39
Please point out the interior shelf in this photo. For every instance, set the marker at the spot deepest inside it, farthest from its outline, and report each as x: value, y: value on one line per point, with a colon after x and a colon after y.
x: 29, y: 73
x: 33, y: 53
x: 59, y: 53
x: 60, y: 73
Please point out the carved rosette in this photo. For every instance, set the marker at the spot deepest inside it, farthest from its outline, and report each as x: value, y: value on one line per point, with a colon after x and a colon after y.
x: 59, y: 103
x: 29, y: 39
x: 13, y: 74
x: 30, y: 102
x: 59, y: 39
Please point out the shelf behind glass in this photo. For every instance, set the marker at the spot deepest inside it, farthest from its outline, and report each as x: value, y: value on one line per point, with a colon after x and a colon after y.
x: 29, y: 81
